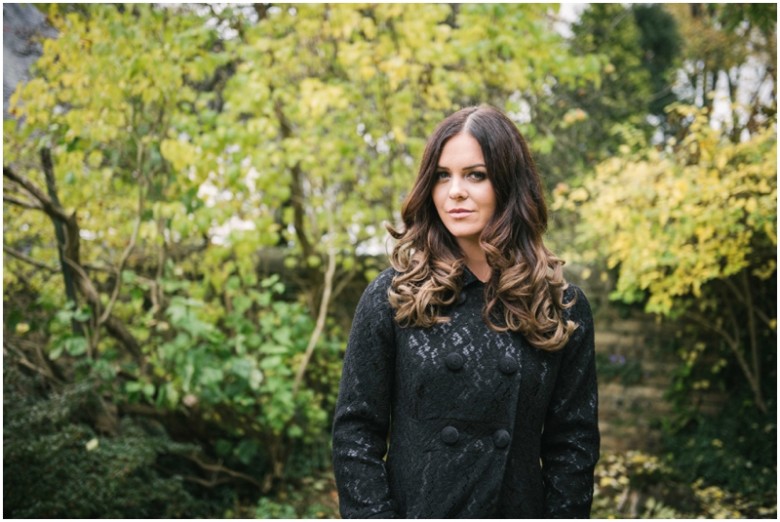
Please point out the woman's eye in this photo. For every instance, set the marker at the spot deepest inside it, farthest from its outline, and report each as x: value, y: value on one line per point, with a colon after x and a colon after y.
x: 442, y: 175
x: 478, y: 176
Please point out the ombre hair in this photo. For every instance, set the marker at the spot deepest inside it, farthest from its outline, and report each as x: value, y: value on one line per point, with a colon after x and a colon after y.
x: 525, y: 291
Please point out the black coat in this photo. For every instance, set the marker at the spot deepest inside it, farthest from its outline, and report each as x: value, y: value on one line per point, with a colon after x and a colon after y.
x: 480, y: 424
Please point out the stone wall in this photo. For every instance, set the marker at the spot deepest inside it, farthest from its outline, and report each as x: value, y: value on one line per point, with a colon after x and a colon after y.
x: 23, y: 26
x: 636, y: 365
x: 636, y: 360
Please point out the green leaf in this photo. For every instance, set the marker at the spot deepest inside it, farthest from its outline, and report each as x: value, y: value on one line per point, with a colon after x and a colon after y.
x: 246, y: 451
x: 282, y: 336
x: 75, y: 346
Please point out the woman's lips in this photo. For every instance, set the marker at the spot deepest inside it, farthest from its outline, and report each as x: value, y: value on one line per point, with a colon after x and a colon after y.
x: 459, y: 213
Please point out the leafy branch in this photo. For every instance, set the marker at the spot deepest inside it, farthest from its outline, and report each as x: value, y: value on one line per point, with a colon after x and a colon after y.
x: 69, y: 245
x: 324, y: 304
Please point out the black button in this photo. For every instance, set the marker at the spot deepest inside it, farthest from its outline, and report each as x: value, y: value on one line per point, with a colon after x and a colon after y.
x: 450, y: 435
x: 461, y: 298
x: 501, y: 438
x: 507, y: 364
x: 454, y: 361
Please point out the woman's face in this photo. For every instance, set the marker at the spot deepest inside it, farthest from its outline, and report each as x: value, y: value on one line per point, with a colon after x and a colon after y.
x: 462, y: 193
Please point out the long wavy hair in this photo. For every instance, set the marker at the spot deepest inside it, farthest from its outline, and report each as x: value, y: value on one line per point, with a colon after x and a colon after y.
x: 525, y: 291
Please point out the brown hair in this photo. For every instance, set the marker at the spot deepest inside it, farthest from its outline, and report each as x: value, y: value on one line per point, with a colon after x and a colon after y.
x: 525, y: 292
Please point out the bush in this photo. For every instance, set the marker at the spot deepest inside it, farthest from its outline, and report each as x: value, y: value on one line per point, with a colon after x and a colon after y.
x: 56, y: 466
x: 234, y: 367
x: 220, y: 377
x: 638, y: 485
x: 731, y: 460
x: 630, y: 485
x: 313, y: 497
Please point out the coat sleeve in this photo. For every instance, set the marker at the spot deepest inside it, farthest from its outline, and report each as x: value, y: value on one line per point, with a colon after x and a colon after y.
x: 570, y: 441
x: 362, y: 417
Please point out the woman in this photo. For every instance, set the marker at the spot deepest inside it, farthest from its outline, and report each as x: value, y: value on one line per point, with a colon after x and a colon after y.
x: 471, y: 354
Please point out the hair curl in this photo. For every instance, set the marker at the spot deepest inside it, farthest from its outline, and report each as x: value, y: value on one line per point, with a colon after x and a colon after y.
x: 525, y: 292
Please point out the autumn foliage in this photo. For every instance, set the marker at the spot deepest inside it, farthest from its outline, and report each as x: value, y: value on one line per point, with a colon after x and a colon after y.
x: 193, y: 194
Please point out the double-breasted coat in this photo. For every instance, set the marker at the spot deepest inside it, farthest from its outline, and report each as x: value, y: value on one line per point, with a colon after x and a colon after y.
x: 480, y: 424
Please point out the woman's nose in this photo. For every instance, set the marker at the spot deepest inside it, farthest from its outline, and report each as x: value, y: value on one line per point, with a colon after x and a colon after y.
x: 457, y: 190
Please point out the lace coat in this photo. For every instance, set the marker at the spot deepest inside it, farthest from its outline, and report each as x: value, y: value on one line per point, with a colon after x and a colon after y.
x: 480, y: 424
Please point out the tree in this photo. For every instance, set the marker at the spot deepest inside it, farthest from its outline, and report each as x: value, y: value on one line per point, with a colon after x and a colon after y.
x: 729, y: 57
x: 706, y: 211
x: 159, y: 334
x: 703, y: 202
x: 661, y: 45
x: 637, y: 47
x: 686, y: 223
x: 341, y: 99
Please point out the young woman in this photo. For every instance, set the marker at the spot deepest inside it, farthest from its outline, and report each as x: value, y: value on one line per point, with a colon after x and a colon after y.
x: 471, y: 355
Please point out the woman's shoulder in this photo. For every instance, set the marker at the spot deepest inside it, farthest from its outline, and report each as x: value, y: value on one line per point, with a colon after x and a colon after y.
x: 375, y: 293
x: 374, y: 306
x: 572, y: 292
x: 385, y: 278
x: 577, y: 304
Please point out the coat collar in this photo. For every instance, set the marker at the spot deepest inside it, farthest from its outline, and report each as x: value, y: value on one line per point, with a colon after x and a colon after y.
x: 468, y: 278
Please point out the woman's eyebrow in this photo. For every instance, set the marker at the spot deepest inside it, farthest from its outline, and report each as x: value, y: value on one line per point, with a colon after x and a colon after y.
x: 470, y: 167
x: 475, y: 166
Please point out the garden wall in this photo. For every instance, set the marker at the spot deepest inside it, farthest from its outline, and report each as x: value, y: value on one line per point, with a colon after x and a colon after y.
x: 636, y: 361
x: 632, y: 403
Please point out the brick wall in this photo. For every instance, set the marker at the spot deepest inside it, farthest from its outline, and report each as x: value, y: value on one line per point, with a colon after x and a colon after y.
x: 636, y: 361
x: 632, y: 402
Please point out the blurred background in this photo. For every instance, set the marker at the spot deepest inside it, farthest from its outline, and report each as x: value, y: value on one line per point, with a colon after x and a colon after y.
x: 194, y: 198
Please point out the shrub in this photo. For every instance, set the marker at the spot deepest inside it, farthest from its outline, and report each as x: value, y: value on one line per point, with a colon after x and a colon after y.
x: 638, y: 485
x: 629, y: 485
x: 731, y: 460
x: 56, y: 466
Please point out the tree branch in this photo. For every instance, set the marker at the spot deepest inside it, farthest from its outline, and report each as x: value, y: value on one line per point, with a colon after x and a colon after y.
x: 24, y: 361
x: 21, y: 257
x: 63, y: 243
x: 733, y: 344
x: 296, y: 189
x: 344, y: 281
x: 739, y: 295
x: 156, y: 292
x: 93, y: 298
x: 324, y: 303
x: 218, y: 468
x: 46, y: 204
x: 125, y: 256
x: 70, y: 257
x: 205, y: 483
x: 87, y: 266
x: 116, y: 328
x: 751, y: 326
x: 19, y: 203
x: 261, y: 10
x: 703, y: 321
x: 85, y: 285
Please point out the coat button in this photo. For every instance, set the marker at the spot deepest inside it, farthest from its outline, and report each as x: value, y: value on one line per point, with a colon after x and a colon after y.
x: 501, y: 438
x: 450, y: 435
x: 507, y: 365
x: 454, y: 361
x: 461, y: 298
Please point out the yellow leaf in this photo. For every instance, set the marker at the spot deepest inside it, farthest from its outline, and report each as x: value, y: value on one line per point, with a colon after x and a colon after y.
x: 22, y: 328
x: 180, y: 153
x: 94, y: 159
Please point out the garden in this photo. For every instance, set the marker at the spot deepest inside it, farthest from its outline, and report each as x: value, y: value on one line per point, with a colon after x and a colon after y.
x: 195, y: 197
